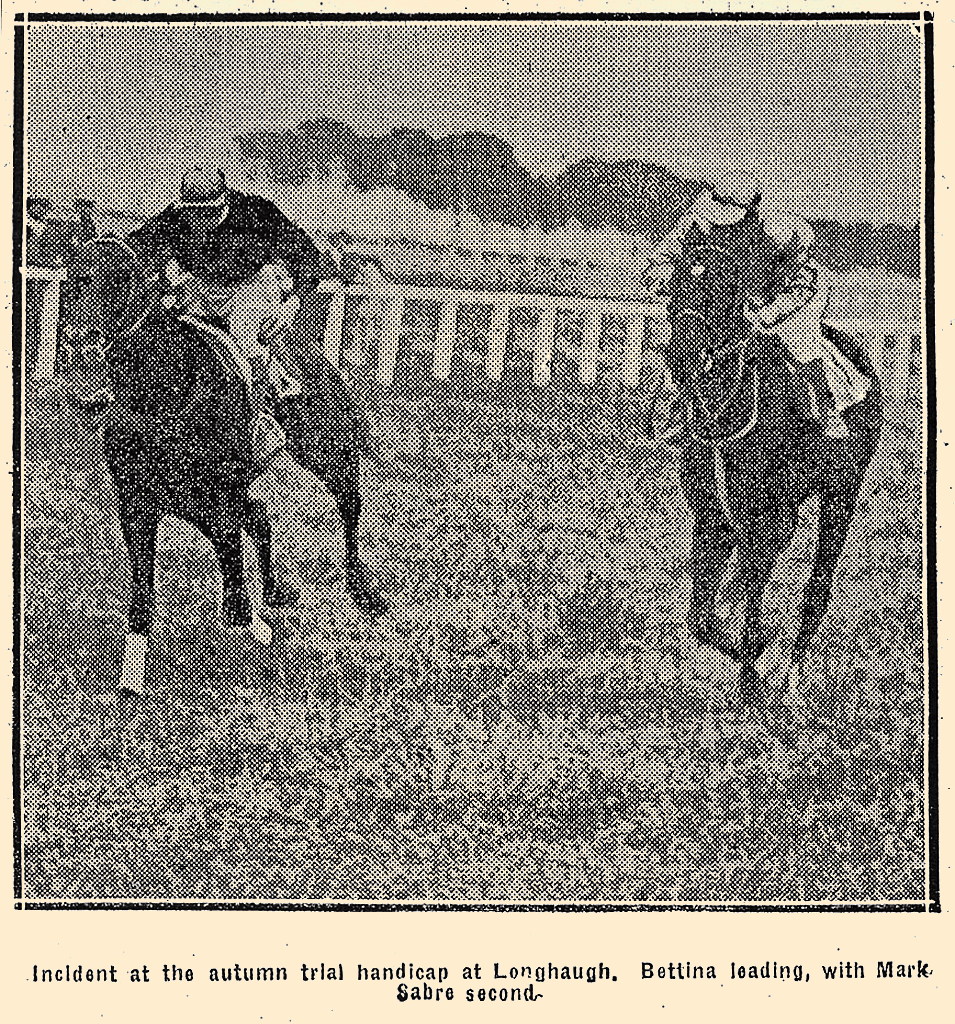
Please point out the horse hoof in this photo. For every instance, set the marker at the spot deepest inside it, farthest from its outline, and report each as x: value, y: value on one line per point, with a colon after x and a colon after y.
x: 364, y: 596
x: 237, y: 611
x: 370, y: 602
x: 281, y: 595
x: 134, y: 665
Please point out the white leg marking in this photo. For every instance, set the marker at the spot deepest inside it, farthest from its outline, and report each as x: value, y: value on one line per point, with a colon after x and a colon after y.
x: 261, y: 630
x: 134, y: 663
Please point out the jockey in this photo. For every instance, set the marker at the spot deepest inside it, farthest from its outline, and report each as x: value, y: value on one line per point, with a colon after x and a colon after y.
x: 794, y: 311
x: 239, y: 258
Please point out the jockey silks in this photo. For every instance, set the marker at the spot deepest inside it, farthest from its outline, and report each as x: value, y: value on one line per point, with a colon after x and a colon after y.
x: 253, y: 232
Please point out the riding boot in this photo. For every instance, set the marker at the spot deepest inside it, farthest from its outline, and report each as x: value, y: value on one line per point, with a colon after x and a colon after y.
x: 832, y: 423
x: 284, y: 373
x: 286, y: 386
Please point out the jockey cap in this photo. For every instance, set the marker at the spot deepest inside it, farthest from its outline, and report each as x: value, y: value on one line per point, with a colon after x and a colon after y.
x: 203, y: 189
x: 786, y: 228
x: 736, y: 188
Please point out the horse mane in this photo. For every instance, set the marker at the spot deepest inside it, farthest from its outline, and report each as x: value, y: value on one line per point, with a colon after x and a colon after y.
x: 761, y: 260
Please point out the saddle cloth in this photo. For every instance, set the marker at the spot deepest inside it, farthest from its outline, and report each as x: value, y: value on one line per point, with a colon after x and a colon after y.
x: 847, y: 384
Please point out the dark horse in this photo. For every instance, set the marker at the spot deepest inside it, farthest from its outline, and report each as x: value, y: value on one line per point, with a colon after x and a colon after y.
x: 177, y: 441
x: 752, y: 457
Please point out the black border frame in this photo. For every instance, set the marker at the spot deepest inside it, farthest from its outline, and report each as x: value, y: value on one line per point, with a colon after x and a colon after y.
x: 932, y: 904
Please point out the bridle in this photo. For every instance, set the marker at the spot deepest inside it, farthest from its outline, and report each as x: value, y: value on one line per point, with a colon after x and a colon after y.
x: 712, y: 437
x: 711, y: 355
x: 138, y: 275
x: 130, y: 320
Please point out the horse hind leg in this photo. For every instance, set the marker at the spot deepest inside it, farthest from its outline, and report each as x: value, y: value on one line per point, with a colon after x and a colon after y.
x: 326, y: 437
x: 836, y: 508
x: 344, y: 489
x: 236, y: 603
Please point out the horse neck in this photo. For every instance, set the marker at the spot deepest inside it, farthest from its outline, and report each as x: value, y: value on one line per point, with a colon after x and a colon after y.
x: 778, y: 418
x: 149, y: 359
x: 733, y: 327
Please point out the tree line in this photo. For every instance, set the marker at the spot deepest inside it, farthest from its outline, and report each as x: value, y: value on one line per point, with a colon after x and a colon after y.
x: 479, y: 172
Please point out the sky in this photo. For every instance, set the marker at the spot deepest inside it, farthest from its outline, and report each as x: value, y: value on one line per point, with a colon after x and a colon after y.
x: 828, y: 115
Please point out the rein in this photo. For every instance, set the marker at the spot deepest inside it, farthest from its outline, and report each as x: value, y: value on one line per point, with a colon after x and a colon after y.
x: 735, y: 346
x: 121, y: 331
x: 108, y: 339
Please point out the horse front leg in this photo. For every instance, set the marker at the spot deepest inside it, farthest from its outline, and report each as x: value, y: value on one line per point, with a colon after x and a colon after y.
x: 139, y: 532
x: 766, y: 541
x: 713, y: 543
x: 132, y: 458
x: 276, y: 593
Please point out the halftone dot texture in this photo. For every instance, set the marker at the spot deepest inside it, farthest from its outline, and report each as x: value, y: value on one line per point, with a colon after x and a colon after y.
x: 532, y: 720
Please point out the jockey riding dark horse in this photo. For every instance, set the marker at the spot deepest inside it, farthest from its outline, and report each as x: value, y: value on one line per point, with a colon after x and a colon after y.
x: 751, y: 453
x: 177, y: 436
x: 237, y: 260
x: 790, y: 302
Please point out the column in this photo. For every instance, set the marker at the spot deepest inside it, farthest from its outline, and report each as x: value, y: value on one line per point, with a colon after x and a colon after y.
x: 633, y: 349
x: 590, y: 344
x: 544, y: 344
x: 497, y: 341
x: 48, y: 322
x: 444, y: 340
x: 332, y: 343
x: 390, y: 333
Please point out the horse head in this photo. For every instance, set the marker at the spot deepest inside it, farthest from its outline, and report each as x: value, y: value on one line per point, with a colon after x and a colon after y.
x: 106, y: 297
x: 718, y: 272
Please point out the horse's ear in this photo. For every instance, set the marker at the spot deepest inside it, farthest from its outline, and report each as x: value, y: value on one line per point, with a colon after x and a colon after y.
x: 752, y: 210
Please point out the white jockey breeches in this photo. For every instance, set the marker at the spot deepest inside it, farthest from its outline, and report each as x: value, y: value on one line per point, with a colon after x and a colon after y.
x: 254, y: 305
